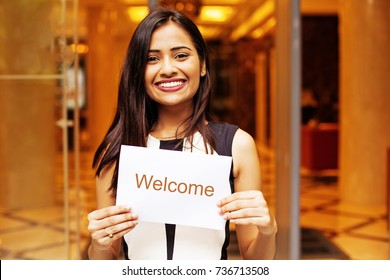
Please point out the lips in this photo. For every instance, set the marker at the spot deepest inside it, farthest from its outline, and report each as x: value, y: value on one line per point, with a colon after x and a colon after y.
x: 171, y: 85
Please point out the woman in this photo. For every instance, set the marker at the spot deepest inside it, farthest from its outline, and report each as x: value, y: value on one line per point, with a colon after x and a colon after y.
x: 164, y: 99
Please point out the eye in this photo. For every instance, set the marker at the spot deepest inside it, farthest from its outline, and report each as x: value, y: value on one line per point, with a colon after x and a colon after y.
x: 181, y: 56
x: 152, y: 59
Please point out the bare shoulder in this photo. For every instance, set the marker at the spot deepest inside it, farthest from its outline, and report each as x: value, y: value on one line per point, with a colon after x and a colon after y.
x: 243, y: 140
x: 245, y: 156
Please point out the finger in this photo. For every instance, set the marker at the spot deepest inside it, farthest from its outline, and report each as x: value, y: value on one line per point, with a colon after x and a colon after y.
x: 104, y: 242
x: 96, y: 225
x: 246, y: 213
x: 120, y: 228
x: 237, y: 205
x: 239, y: 196
x: 242, y: 204
x: 117, y: 219
x: 108, y: 211
x: 249, y: 217
x: 246, y: 221
x: 120, y: 234
x: 105, y: 236
x: 264, y: 224
x: 112, y: 234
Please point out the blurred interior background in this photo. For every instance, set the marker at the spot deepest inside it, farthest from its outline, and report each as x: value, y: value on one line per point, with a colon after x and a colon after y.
x: 307, y: 79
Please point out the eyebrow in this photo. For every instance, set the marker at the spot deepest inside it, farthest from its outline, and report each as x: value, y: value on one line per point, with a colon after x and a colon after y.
x: 173, y: 49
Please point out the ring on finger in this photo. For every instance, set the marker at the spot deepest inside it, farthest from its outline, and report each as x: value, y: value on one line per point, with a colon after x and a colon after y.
x: 110, y: 235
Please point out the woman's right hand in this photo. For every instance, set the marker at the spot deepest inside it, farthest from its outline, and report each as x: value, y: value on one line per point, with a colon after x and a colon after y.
x: 109, y: 224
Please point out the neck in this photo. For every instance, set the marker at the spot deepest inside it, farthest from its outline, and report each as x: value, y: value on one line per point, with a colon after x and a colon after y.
x: 169, y: 130
x: 171, y: 123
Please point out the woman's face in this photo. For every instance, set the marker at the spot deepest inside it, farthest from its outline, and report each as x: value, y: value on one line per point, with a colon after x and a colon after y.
x: 173, y: 70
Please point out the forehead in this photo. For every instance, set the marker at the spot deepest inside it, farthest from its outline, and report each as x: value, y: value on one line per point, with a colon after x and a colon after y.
x: 170, y: 35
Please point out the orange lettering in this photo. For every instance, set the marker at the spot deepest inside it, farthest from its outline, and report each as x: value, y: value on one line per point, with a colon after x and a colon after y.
x: 147, y: 184
x: 196, y: 187
x: 172, y: 186
x: 156, y: 184
x: 169, y: 186
x: 185, y: 188
x: 209, y: 191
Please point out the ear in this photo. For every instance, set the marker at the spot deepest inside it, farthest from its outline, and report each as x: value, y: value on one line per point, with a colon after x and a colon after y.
x: 203, y: 70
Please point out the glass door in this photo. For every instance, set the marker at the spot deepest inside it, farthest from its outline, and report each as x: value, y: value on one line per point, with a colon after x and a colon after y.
x: 39, y: 132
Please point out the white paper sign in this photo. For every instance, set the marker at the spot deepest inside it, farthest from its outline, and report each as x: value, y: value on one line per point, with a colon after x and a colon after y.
x: 173, y: 187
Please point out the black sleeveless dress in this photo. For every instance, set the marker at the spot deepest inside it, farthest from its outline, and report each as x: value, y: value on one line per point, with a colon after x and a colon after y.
x: 173, y: 242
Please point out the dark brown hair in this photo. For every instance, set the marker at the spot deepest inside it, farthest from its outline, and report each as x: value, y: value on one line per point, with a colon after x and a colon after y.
x: 136, y: 113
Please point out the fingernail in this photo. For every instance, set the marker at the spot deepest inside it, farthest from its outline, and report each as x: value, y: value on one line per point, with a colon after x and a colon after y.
x: 126, y: 207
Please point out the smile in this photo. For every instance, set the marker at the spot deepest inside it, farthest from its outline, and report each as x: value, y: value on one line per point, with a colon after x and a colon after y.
x: 170, y: 84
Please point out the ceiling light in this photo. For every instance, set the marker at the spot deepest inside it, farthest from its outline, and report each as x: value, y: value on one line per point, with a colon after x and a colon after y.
x: 209, y: 32
x: 262, y: 13
x: 215, y: 13
x: 189, y: 7
x: 135, y: 2
x: 137, y: 14
x: 80, y: 48
x: 262, y: 30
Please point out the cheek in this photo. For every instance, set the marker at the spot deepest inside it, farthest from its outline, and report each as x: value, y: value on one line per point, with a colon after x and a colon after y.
x: 148, y: 75
x: 148, y: 84
x: 151, y: 72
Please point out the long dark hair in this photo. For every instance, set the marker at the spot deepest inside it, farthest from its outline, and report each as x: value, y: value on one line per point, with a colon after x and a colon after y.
x: 136, y: 113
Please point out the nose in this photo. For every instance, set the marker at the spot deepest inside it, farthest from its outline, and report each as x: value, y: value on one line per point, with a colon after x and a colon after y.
x: 168, y: 67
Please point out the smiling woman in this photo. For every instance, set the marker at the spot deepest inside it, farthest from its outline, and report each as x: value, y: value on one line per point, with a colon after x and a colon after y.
x: 174, y: 69
x: 164, y: 102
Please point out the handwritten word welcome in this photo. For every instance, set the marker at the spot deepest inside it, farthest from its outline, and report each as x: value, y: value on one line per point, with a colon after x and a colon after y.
x: 172, y: 186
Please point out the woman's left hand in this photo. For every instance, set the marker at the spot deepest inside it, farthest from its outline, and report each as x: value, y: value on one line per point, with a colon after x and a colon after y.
x: 248, y: 208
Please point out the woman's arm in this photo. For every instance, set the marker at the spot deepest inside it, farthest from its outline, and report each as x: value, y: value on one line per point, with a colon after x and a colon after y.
x: 246, y: 208
x: 108, y: 219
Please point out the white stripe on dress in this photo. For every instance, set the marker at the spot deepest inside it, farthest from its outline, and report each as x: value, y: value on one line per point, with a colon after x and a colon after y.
x: 148, y: 240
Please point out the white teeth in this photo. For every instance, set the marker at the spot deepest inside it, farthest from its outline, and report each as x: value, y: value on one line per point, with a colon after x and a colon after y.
x: 171, y: 84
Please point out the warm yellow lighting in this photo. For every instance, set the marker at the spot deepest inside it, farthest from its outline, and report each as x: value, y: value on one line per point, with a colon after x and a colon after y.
x: 135, y: 2
x: 215, y: 13
x: 180, y: 6
x: 258, y: 32
x: 262, y: 30
x: 320, y: 7
x: 81, y: 48
x: 209, y: 32
x: 261, y: 14
x: 224, y: 2
x: 137, y: 14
